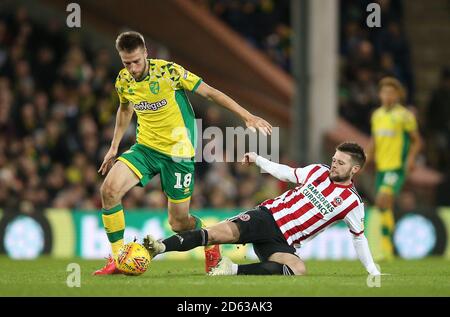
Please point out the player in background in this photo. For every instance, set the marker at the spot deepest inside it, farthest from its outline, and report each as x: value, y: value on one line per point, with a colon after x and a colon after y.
x: 154, y: 89
x: 393, y: 147
x: 323, y: 196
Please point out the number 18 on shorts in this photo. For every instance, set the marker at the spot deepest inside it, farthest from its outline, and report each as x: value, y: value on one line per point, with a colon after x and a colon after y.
x: 177, y: 176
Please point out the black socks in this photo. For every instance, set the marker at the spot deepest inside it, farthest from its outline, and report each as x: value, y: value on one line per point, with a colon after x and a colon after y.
x: 264, y: 268
x: 186, y: 240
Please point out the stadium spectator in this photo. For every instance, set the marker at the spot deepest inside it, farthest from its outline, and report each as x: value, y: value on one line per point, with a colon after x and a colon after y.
x: 265, y: 24
x: 438, y: 124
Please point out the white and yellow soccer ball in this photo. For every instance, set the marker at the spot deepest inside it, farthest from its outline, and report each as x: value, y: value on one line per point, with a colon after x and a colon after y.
x: 133, y: 259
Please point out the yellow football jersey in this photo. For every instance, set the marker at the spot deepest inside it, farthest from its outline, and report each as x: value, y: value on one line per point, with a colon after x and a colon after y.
x: 390, y: 131
x: 165, y: 118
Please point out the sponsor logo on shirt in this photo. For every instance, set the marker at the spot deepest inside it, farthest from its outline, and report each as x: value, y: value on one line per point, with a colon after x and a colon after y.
x: 144, y: 105
x: 385, y: 133
x: 317, y: 199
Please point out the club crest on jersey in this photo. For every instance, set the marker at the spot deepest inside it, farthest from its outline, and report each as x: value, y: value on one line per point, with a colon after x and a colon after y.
x: 244, y: 217
x: 337, y: 201
x: 154, y: 87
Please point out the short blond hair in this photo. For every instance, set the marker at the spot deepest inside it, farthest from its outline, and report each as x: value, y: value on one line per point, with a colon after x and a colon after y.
x: 396, y: 84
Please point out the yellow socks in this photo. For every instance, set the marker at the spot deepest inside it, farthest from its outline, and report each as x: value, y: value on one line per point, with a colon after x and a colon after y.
x: 388, y: 224
x: 114, y: 223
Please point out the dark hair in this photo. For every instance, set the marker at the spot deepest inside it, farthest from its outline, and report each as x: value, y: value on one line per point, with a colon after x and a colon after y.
x: 129, y: 41
x: 354, y: 150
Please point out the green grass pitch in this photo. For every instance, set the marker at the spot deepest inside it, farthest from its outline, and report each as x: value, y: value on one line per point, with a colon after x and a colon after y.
x: 47, y: 277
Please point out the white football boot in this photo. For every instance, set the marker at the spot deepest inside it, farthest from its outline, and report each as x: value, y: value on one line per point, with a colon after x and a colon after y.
x: 153, y: 246
x: 225, y: 267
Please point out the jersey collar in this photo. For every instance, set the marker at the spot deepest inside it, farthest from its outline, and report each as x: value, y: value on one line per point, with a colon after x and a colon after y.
x: 392, y: 108
x: 342, y: 186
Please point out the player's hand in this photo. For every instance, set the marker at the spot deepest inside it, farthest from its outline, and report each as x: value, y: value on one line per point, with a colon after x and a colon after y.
x: 249, y: 158
x: 108, y: 161
x: 375, y: 273
x: 410, y: 165
x: 255, y: 122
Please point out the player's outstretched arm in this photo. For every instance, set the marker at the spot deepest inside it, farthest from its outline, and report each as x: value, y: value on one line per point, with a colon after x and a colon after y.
x: 361, y: 246
x: 251, y: 121
x: 280, y: 171
x: 355, y: 223
x: 123, y: 118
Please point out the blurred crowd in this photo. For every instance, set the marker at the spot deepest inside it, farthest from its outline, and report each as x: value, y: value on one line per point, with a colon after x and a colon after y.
x: 437, y: 122
x: 57, y: 116
x: 265, y: 24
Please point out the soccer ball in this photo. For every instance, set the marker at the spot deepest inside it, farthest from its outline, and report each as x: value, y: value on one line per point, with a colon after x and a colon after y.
x: 133, y: 259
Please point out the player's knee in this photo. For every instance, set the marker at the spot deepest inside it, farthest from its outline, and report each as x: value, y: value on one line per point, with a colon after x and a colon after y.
x: 382, y: 202
x: 178, y: 225
x: 214, y: 236
x: 109, y: 192
x: 298, y: 268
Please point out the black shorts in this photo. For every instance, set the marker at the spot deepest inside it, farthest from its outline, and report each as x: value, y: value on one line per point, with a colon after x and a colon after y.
x: 257, y: 226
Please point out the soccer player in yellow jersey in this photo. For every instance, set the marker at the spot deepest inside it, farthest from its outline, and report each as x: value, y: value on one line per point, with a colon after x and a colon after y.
x: 393, y: 147
x: 165, y: 139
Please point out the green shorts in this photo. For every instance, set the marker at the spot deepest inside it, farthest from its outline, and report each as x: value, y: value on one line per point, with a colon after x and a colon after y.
x: 177, y: 175
x: 390, y: 182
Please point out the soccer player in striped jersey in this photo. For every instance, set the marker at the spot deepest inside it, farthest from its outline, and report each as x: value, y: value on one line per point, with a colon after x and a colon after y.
x: 323, y: 196
x: 155, y: 90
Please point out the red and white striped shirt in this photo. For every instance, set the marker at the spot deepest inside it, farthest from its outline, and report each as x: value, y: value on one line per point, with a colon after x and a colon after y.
x: 305, y: 211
